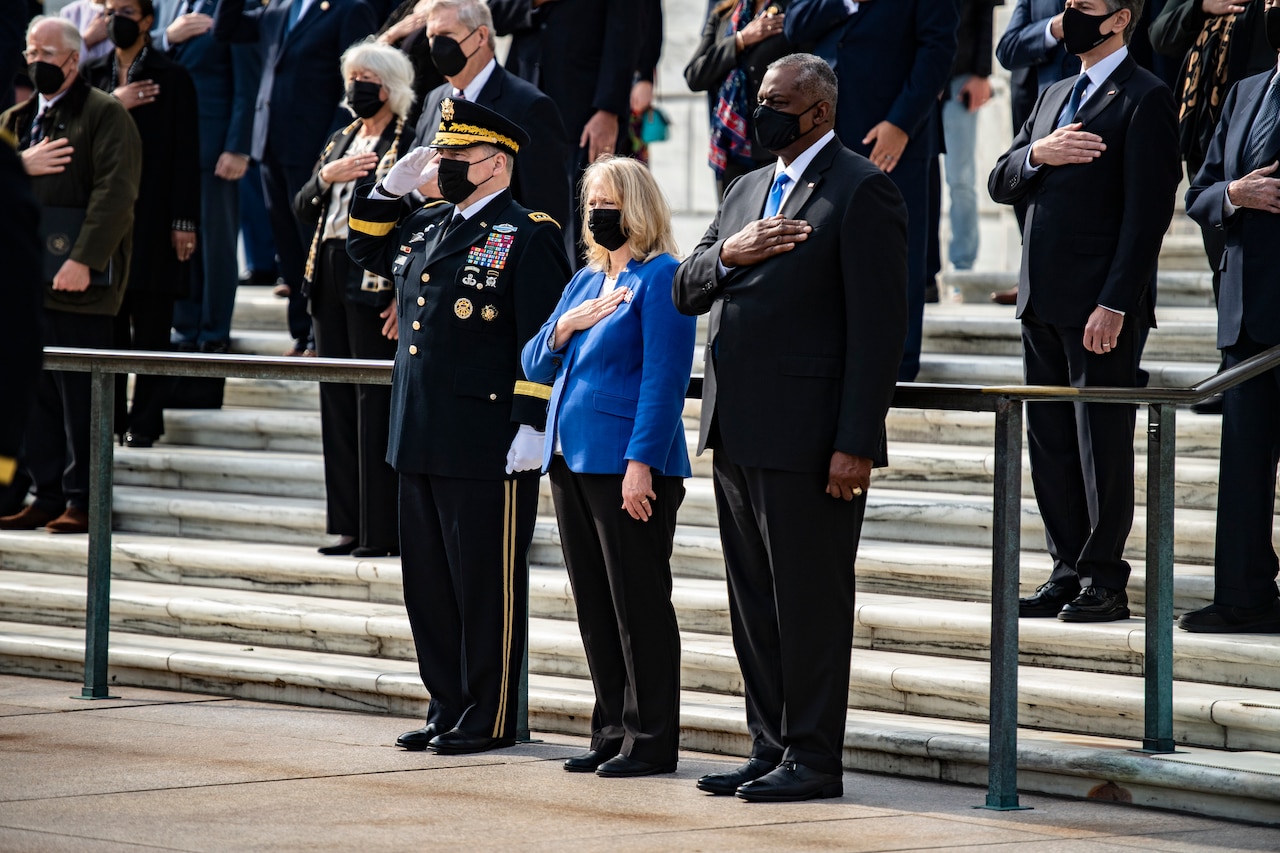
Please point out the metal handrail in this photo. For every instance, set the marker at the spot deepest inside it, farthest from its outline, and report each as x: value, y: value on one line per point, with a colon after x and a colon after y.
x: 1006, y: 402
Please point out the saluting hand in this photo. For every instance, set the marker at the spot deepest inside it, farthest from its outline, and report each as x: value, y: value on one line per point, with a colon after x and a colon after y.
x: 1067, y: 145
x: 1257, y: 190
x: 587, y: 314
x: 762, y: 239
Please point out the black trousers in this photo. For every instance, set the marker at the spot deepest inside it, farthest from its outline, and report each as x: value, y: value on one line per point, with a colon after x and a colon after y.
x: 789, y: 551
x: 464, y: 550
x: 1245, y: 565
x: 280, y: 183
x: 360, y: 487
x: 144, y: 323
x: 620, y: 570
x: 57, y: 440
x: 1082, y: 453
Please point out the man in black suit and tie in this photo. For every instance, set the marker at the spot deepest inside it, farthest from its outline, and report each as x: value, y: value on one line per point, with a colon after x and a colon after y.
x: 1097, y: 162
x: 462, y: 44
x: 804, y: 274
x: 297, y: 110
x: 1237, y: 193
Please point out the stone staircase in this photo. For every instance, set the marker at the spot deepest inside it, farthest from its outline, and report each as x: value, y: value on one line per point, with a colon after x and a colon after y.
x: 218, y: 588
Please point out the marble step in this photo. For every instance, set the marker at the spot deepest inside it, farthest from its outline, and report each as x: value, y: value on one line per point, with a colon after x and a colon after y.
x: 290, y: 394
x: 211, y: 469
x: 968, y: 369
x: 257, y: 310
x: 1174, y: 287
x: 883, y: 623
x: 245, y: 429
x: 1240, y: 785
x: 1184, y: 334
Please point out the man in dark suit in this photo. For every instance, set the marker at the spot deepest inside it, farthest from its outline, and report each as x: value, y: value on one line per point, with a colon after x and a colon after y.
x: 893, y: 60
x: 1237, y: 193
x: 1097, y: 162
x: 541, y: 179
x: 475, y: 280
x: 583, y: 55
x: 808, y: 312
x: 296, y: 111
x: 226, y: 84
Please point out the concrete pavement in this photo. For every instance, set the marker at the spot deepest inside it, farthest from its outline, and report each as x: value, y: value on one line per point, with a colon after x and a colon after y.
x: 156, y: 770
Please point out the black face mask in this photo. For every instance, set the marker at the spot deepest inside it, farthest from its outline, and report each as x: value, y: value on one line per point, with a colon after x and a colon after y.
x: 46, y: 77
x: 122, y: 31
x: 364, y: 98
x: 455, y: 186
x: 1271, y: 18
x: 447, y: 55
x: 1080, y: 30
x: 776, y: 130
x: 606, y: 228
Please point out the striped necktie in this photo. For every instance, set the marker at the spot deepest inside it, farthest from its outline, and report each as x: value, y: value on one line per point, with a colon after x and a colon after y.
x: 1260, y: 147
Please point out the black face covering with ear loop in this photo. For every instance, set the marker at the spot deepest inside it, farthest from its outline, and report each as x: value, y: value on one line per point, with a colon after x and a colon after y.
x: 1081, y: 32
x: 606, y: 228
x: 455, y: 186
x: 774, y: 129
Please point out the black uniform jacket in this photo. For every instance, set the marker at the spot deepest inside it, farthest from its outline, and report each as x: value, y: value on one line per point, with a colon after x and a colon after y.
x: 468, y: 298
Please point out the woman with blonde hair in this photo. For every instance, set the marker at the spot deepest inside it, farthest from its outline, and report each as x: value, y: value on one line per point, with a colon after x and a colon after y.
x: 619, y: 355
x: 352, y: 311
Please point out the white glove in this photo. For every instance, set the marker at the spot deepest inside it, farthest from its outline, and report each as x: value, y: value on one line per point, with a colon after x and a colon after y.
x: 410, y: 172
x: 526, y: 450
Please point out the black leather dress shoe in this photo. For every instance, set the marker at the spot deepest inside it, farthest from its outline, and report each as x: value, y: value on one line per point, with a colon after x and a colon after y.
x: 342, y: 549
x: 458, y: 742
x: 1048, y: 601
x: 1225, y: 619
x: 790, y: 782
x: 621, y: 766
x: 1097, y: 604
x: 367, y: 551
x: 1208, y: 406
x: 137, y: 439
x: 729, y: 783
x: 417, y: 740
x: 589, y: 761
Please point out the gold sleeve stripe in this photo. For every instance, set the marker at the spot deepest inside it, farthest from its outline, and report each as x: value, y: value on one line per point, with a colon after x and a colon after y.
x: 533, y: 389
x: 8, y: 467
x: 373, y: 229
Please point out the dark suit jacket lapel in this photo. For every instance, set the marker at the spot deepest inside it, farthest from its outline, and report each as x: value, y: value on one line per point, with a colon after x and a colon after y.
x: 313, y: 14
x: 1248, y: 102
x: 491, y: 94
x: 1107, y: 92
x: 810, y: 179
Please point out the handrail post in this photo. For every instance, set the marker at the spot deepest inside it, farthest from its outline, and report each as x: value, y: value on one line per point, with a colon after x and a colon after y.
x: 1006, y: 533
x: 98, y: 593
x: 1158, y: 661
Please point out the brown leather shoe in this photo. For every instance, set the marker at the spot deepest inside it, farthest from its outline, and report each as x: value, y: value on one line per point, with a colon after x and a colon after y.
x: 28, y: 518
x: 1005, y: 297
x: 74, y: 520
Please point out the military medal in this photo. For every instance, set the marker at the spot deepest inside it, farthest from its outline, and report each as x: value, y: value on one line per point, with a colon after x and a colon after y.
x: 488, y: 313
x: 462, y: 309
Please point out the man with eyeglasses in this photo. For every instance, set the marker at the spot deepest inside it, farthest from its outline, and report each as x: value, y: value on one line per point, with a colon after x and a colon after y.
x: 82, y: 152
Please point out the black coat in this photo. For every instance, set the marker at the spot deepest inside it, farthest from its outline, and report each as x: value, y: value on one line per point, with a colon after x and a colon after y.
x: 20, y: 320
x: 541, y: 177
x: 1093, y: 231
x: 466, y: 306
x: 311, y: 205
x: 170, y: 188
x: 807, y: 343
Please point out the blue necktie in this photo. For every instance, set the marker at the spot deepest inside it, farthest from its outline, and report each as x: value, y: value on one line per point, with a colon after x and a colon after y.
x: 1260, y: 147
x: 776, y: 192
x: 1073, y: 103
x: 295, y: 11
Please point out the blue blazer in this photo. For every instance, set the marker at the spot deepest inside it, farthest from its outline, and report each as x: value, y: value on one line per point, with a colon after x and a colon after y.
x: 1249, y: 298
x: 1022, y: 44
x: 226, y: 81
x: 297, y: 105
x: 620, y: 385
x: 892, y: 58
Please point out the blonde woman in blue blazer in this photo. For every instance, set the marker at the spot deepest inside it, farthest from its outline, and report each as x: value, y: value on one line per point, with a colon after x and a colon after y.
x: 619, y: 355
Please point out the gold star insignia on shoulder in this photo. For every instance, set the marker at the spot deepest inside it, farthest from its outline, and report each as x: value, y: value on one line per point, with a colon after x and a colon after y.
x: 538, y: 216
x: 446, y: 109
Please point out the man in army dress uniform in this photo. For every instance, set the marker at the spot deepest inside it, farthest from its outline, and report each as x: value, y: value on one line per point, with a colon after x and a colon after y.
x: 476, y: 276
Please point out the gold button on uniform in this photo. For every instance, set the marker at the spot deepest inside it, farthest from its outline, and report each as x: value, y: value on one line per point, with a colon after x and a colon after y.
x: 493, y: 396
x: 422, y: 300
x: 416, y: 325
x: 426, y: 277
x: 413, y: 350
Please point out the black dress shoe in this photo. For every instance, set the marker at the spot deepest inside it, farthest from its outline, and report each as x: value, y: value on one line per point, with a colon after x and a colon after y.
x: 790, y: 782
x: 458, y: 742
x: 1048, y: 601
x: 1208, y: 406
x: 367, y: 551
x: 136, y: 439
x: 589, y: 761
x: 342, y: 549
x: 729, y: 783
x: 1225, y: 619
x: 621, y: 766
x: 1097, y: 604
x: 417, y: 740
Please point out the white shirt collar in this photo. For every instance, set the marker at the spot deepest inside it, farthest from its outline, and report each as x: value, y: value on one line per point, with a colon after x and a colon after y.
x: 45, y: 103
x: 796, y: 170
x: 472, y: 92
x: 1102, y: 69
x: 478, y: 205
